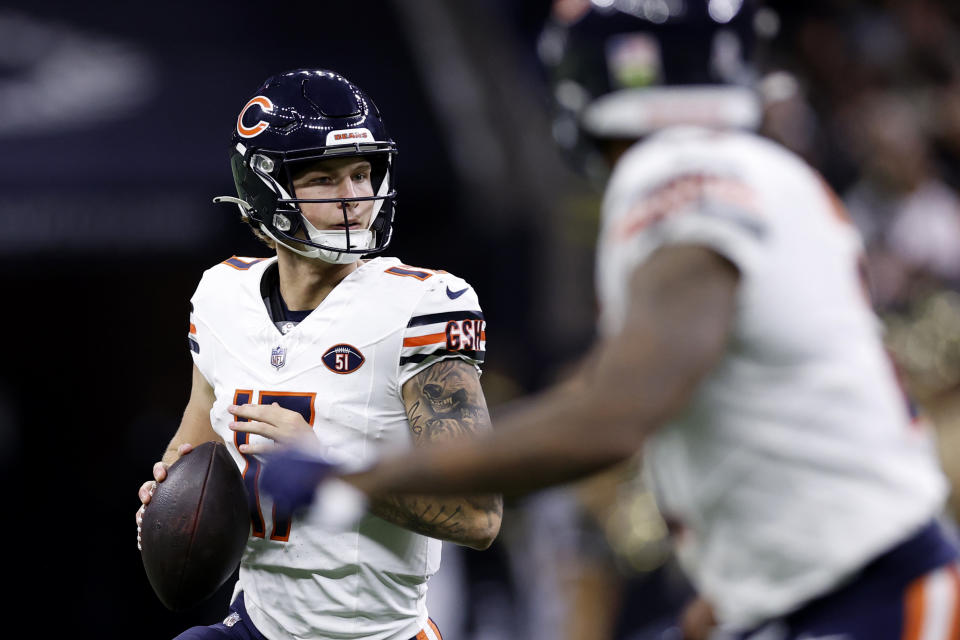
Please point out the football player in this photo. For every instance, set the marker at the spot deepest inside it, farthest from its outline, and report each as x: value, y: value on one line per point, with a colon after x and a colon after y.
x: 364, y: 355
x: 739, y: 353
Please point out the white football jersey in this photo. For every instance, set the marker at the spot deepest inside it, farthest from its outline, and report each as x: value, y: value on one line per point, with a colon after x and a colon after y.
x: 342, y: 368
x: 797, y: 459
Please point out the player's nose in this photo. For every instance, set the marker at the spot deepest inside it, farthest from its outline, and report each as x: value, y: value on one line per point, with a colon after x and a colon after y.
x: 347, y: 189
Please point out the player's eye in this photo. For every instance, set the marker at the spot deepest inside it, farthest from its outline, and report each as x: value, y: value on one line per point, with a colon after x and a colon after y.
x: 360, y: 177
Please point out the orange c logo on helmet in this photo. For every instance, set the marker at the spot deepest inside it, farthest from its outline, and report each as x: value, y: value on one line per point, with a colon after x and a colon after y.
x: 257, y: 129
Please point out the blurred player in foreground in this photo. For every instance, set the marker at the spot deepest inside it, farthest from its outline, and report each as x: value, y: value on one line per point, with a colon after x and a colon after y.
x: 739, y: 353
x: 362, y: 355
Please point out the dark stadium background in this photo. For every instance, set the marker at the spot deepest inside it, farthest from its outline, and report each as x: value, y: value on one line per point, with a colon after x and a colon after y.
x: 114, y: 123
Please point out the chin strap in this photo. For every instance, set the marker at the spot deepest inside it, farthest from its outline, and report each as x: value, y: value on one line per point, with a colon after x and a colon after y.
x: 331, y: 238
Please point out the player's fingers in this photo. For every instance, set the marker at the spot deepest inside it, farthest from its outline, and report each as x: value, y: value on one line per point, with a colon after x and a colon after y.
x: 140, y: 517
x: 255, y: 426
x: 258, y: 448
x: 184, y: 449
x: 270, y: 413
x: 146, y: 491
x: 159, y: 471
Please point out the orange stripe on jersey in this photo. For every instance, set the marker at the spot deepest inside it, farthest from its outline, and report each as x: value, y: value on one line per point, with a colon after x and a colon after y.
x: 419, y: 341
x: 914, y: 609
x: 193, y: 328
x: 677, y: 194
x: 955, y: 618
x: 433, y: 338
x: 422, y: 635
x: 437, y: 631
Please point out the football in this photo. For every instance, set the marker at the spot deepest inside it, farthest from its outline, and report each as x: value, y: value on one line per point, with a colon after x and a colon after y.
x: 195, y: 527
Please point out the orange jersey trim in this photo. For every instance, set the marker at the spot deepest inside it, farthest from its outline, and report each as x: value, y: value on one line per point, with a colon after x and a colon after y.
x: 955, y: 619
x: 294, y: 394
x: 419, y: 341
x: 237, y: 435
x: 433, y: 338
x: 240, y: 264
x: 409, y: 272
x: 914, y: 610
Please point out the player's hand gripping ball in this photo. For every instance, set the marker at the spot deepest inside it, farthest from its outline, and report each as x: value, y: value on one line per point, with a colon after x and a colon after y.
x: 195, y: 527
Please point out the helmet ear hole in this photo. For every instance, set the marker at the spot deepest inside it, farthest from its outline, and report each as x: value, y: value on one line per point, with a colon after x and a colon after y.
x: 379, y: 224
x: 263, y: 163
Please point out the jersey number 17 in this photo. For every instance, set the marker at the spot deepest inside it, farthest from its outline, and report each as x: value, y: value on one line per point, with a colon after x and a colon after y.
x: 302, y: 403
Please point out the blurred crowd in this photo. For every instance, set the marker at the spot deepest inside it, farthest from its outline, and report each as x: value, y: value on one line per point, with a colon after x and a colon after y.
x: 868, y: 93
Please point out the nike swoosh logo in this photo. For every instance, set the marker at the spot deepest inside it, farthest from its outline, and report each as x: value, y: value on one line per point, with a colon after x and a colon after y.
x: 453, y: 295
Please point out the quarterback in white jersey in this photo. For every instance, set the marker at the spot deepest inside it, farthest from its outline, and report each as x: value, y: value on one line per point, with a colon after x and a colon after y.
x: 738, y: 355
x: 364, y: 356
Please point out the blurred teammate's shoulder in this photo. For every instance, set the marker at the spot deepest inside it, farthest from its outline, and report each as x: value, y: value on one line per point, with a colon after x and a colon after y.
x: 684, y: 148
x: 680, y: 164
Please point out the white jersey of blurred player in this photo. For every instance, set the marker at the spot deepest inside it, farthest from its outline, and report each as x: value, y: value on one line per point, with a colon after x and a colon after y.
x: 342, y: 368
x: 797, y: 459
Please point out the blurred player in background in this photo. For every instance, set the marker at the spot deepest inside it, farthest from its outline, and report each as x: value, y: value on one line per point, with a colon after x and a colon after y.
x: 739, y: 353
x: 363, y: 355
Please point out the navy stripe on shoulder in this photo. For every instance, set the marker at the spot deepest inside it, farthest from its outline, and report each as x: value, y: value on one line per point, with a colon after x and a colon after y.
x: 440, y: 353
x: 240, y: 264
x: 433, y: 318
x: 404, y: 270
x: 194, y: 345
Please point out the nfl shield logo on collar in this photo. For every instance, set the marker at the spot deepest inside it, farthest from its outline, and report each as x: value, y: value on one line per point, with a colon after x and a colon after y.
x: 278, y: 357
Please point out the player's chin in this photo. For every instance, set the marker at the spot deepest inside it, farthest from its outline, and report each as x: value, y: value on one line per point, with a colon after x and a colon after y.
x: 342, y: 228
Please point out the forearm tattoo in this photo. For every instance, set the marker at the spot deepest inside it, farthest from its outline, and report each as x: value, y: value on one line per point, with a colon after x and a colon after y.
x: 444, y: 402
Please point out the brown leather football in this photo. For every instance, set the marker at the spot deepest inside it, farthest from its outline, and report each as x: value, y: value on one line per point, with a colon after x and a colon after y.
x: 195, y: 527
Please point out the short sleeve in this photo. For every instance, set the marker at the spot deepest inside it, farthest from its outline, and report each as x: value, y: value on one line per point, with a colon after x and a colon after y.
x: 714, y: 210
x: 446, y: 323
x: 198, y: 341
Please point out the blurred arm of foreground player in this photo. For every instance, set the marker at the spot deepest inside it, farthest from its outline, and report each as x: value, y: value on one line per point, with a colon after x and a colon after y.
x: 682, y: 302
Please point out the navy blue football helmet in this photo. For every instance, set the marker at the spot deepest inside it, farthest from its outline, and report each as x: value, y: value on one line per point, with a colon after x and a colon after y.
x: 299, y: 117
x: 621, y: 69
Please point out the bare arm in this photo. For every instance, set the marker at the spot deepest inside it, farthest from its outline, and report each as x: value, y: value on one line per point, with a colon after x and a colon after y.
x: 682, y: 306
x: 194, y: 429
x: 195, y: 425
x: 445, y: 403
